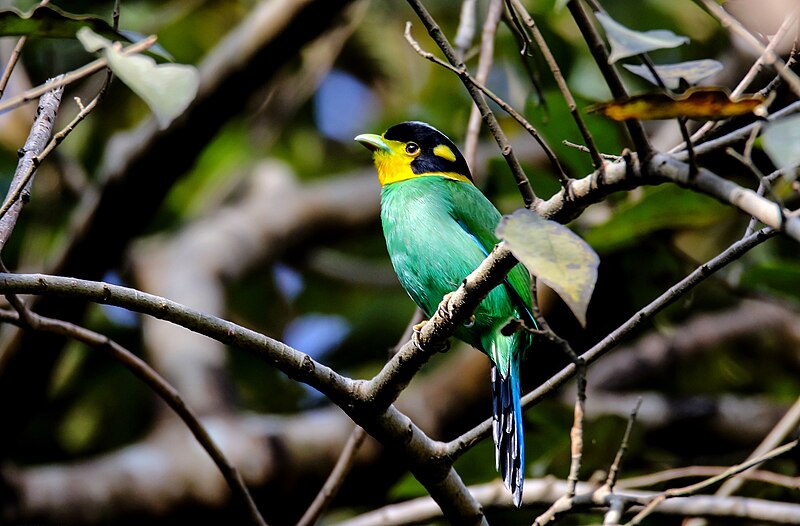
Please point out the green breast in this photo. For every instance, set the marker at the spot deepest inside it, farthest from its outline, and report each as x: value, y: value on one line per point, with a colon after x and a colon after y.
x: 438, y: 231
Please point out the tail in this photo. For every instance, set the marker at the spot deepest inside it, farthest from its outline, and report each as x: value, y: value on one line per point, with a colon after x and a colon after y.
x: 507, y: 428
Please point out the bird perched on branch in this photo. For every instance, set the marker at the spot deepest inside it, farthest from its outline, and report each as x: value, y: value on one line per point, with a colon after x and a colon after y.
x: 439, y: 227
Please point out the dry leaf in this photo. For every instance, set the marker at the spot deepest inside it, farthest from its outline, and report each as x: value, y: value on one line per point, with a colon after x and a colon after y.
x: 703, y: 103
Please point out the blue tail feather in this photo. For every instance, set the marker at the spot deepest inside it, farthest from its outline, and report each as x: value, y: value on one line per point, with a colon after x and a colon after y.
x: 507, y: 428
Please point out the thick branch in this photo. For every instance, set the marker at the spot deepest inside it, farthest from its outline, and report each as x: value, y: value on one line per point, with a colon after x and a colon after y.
x: 388, y: 425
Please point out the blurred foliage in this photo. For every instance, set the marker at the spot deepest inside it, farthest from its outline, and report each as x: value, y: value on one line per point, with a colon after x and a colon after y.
x: 647, y: 239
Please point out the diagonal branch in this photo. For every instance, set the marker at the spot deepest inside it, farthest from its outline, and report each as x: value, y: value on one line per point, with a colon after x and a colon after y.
x: 26, y: 318
x: 528, y: 195
x: 465, y: 441
x: 612, y: 78
x: 19, y: 191
x: 770, y: 56
x: 387, y: 424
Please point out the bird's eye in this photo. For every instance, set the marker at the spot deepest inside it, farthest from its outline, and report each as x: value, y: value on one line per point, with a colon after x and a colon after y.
x: 412, y: 148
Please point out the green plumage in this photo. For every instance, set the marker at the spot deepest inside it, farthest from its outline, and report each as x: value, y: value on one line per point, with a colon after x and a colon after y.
x: 438, y: 231
x: 439, y: 227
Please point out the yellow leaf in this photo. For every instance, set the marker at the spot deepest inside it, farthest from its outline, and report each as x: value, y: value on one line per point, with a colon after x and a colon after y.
x: 702, y: 103
x: 555, y: 255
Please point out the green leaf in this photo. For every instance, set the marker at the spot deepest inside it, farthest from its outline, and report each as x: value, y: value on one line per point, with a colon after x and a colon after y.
x: 781, y: 140
x: 626, y: 42
x: 555, y: 255
x: 166, y: 88
x: 662, y: 207
x: 49, y: 21
x: 692, y: 72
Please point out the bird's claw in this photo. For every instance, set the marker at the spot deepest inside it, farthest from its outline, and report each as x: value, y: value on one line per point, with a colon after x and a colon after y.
x: 444, y: 306
x: 417, y: 332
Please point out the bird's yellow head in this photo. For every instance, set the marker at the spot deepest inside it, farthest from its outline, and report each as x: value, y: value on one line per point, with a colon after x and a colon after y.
x: 415, y: 149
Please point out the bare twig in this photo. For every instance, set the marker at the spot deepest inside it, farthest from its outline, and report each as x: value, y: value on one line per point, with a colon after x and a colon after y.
x: 464, y: 75
x: 583, y: 148
x: 660, y: 477
x: 740, y: 88
x: 153, y: 380
x: 72, y: 76
x: 597, y: 160
x: 613, y: 471
x: 38, y: 138
x: 11, y: 64
x: 787, y: 425
x: 576, y: 433
x: 697, y: 487
x: 335, y: 479
x: 484, y: 67
x: 459, y: 445
x: 613, y: 80
x: 771, y: 58
x: 524, y: 186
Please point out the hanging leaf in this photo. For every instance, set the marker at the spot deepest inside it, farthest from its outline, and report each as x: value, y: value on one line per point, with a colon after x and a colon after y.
x: 626, y: 42
x: 50, y: 21
x: 702, y: 103
x: 692, y: 72
x: 555, y: 255
x: 166, y: 88
x: 781, y: 141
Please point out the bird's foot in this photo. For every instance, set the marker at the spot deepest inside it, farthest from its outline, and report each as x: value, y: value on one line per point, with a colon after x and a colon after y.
x: 444, y: 310
x: 417, y: 332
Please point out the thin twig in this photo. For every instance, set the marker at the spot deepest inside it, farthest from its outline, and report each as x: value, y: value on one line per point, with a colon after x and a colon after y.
x: 613, y: 471
x: 335, y: 479
x: 72, y: 76
x: 464, y: 75
x: 576, y: 433
x: 523, y: 184
x: 154, y: 381
x: 610, y: 74
x: 12, y: 63
x: 484, y: 68
x: 746, y: 80
x: 583, y: 148
x: 597, y: 160
x: 786, y: 426
x: 660, y: 477
x: 38, y: 138
x: 699, y: 486
x: 771, y: 58
x: 458, y: 446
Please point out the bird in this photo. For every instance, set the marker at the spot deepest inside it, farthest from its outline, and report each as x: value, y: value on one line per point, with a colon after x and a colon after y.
x: 438, y: 228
